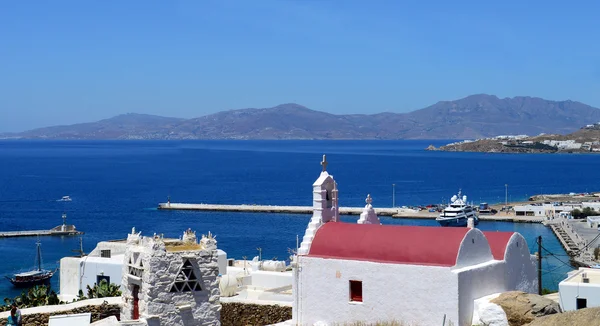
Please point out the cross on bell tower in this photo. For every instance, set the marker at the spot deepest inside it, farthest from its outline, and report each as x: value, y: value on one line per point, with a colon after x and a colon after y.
x: 324, y: 163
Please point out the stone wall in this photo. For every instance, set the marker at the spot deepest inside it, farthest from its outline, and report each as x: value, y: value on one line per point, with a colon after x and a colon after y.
x: 174, y: 280
x: 241, y: 314
x: 98, y: 312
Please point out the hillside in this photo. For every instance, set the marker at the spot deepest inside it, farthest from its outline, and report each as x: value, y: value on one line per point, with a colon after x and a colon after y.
x: 585, y: 140
x: 125, y: 126
x: 486, y: 116
x: 475, y: 116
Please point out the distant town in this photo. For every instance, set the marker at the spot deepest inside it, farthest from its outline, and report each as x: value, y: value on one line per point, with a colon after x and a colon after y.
x: 586, y: 140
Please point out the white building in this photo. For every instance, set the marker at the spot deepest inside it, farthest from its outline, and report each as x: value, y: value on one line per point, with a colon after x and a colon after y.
x: 563, y: 144
x: 591, y: 204
x: 348, y: 272
x: 581, y: 289
x: 593, y: 221
x: 546, y: 211
x: 104, y: 262
x: 531, y: 210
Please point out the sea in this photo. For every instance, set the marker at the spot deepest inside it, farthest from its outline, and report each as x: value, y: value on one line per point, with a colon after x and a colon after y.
x: 117, y: 185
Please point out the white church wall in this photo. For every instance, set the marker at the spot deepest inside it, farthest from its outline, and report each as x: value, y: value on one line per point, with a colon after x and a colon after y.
x: 521, y: 270
x: 475, y: 282
x: 473, y: 250
x: 390, y: 292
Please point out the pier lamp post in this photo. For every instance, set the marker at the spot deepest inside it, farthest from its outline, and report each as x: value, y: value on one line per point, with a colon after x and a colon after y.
x: 506, y: 195
x: 393, y: 195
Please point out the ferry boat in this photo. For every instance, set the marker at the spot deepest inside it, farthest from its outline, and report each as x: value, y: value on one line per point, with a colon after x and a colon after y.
x: 457, y: 212
x: 65, y: 198
x: 37, y: 276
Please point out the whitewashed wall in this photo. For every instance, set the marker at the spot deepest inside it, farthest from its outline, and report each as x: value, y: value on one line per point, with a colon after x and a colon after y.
x: 570, y: 291
x: 115, y: 247
x: 69, y: 278
x: 390, y: 292
x: 222, y: 261
x: 521, y: 270
x: 475, y: 282
x: 474, y: 249
x: 94, y: 266
x: 271, y: 280
x: 572, y: 288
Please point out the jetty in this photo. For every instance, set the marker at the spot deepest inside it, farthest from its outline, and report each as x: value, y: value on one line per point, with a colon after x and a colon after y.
x: 61, y: 230
x: 395, y: 212
x: 268, y: 209
x: 577, y: 238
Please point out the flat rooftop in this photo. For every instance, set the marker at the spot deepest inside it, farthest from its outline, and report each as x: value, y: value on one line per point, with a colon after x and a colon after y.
x: 592, y: 274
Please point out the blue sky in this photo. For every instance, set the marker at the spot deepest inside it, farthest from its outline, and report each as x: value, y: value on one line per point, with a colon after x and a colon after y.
x: 64, y: 62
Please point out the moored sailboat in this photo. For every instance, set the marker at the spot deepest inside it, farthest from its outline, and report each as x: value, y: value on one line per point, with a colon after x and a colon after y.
x: 36, y: 276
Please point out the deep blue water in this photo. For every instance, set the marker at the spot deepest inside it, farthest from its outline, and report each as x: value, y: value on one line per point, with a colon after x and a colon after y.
x: 116, y: 185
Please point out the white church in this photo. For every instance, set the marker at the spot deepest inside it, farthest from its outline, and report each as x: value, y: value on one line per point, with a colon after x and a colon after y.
x: 368, y: 272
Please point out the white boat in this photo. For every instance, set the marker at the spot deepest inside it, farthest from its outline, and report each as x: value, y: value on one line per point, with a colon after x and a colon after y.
x: 457, y: 212
x: 65, y: 198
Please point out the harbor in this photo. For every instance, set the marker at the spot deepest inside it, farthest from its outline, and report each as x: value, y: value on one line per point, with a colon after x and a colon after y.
x: 267, y: 212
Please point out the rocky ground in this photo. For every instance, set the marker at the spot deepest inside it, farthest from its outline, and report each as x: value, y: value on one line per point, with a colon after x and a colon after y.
x: 587, y: 317
x: 523, y: 308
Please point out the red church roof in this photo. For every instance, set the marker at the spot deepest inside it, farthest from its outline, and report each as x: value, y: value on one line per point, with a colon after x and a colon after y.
x: 418, y: 245
x: 498, y: 242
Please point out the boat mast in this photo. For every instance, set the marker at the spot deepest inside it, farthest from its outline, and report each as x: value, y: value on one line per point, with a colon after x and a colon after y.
x: 39, y: 256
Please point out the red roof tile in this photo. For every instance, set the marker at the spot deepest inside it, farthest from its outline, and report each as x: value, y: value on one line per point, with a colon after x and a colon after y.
x: 417, y: 245
x: 498, y: 242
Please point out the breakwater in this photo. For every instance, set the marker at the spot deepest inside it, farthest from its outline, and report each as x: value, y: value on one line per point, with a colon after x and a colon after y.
x: 61, y: 230
x: 269, y: 209
x: 393, y: 212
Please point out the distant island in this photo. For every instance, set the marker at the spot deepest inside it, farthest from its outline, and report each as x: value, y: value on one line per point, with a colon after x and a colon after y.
x: 473, y: 117
x: 585, y: 140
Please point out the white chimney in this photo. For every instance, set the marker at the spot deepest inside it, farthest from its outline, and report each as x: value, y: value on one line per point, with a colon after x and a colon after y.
x: 470, y: 223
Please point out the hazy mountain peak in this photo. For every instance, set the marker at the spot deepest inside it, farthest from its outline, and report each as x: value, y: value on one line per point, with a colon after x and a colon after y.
x: 290, y: 106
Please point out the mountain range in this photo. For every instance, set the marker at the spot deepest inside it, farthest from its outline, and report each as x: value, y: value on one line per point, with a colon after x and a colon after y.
x: 475, y: 116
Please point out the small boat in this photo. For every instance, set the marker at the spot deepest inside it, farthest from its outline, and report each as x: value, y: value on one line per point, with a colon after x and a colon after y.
x: 458, y: 212
x: 33, y: 277
x: 65, y: 198
x: 485, y: 209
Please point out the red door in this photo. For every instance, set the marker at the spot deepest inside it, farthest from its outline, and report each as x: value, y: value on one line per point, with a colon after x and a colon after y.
x: 136, y: 307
